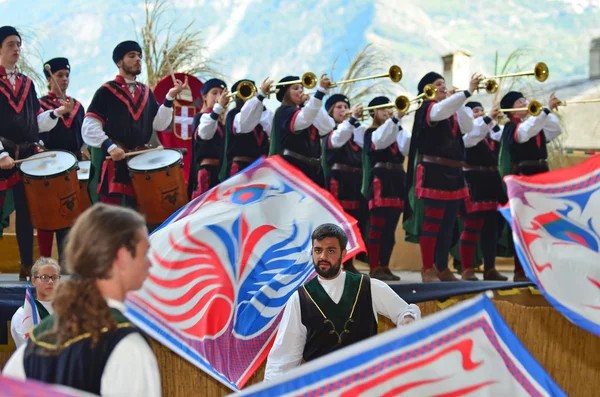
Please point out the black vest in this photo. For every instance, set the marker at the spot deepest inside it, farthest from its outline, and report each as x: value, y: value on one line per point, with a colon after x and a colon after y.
x: 77, y: 365
x: 484, y: 186
x: 18, y: 113
x: 66, y: 135
x: 392, y: 181
x: 306, y: 142
x: 351, y: 320
x: 126, y: 120
x: 349, y: 154
x: 208, y: 148
x: 252, y: 144
x: 532, y: 150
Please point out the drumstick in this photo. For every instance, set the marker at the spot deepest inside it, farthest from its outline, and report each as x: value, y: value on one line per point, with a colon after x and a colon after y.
x: 35, y: 158
x: 49, y: 70
x: 169, y: 66
x: 140, y: 152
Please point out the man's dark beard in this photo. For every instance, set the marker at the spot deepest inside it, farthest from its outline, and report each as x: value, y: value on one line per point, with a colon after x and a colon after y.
x: 331, y: 272
x: 131, y: 70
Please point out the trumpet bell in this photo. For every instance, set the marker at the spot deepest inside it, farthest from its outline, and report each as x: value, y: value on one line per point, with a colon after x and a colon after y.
x: 402, y: 103
x: 430, y: 92
x: 395, y: 73
x: 491, y: 86
x: 535, y: 108
x: 246, y: 90
x: 309, y: 80
x: 541, y: 72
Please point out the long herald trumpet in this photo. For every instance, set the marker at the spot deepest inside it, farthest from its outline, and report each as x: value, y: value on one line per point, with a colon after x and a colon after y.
x: 245, y: 91
x: 565, y: 103
x: 534, y: 108
x: 540, y: 71
x: 394, y: 73
x: 308, y: 80
x: 402, y: 103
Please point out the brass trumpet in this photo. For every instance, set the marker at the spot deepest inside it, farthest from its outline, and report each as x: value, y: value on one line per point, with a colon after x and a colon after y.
x: 308, y: 80
x: 565, y: 103
x: 534, y: 108
x: 540, y: 71
x: 394, y: 73
x: 402, y: 103
x: 245, y: 91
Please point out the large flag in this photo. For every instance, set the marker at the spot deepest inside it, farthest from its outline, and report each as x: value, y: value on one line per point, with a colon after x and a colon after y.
x: 32, y: 388
x: 464, y: 350
x: 555, y: 220
x: 224, y: 266
x: 31, y: 316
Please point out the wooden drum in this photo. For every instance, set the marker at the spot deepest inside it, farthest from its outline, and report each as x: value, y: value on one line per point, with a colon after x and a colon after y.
x: 51, y: 189
x: 158, y: 182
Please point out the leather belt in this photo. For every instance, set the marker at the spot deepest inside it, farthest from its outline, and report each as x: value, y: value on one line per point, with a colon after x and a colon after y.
x: 526, y: 163
x: 346, y: 168
x: 389, y: 166
x: 442, y: 161
x: 213, y: 162
x: 479, y: 168
x: 314, y: 162
x: 243, y: 159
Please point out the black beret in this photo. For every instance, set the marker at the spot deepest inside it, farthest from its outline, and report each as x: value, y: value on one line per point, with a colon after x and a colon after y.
x: 283, y: 89
x: 6, y: 31
x: 57, y: 64
x: 335, y: 98
x: 380, y: 100
x: 429, y: 78
x: 508, y: 100
x: 212, y: 83
x: 123, y: 48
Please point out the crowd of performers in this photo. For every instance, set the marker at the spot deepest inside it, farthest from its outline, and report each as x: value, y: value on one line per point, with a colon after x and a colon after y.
x: 453, y: 152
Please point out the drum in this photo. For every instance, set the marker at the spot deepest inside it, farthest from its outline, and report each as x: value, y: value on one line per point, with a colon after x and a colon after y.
x: 51, y: 189
x: 158, y: 183
x: 83, y: 176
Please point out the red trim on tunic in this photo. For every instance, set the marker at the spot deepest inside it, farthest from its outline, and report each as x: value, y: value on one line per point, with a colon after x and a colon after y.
x: 53, y: 103
x: 377, y: 201
x: 479, y: 205
x: 97, y: 117
x: 108, y: 171
x: 121, y: 96
x: 346, y: 204
x: 423, y: 192
x: 6, y: 184
x: 427, y: 119
x: 16, y: 106
x: 291, y: 127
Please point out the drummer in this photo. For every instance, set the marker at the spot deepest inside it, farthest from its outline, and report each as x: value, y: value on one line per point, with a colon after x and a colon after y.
x: 66, y: 135
x: 19, y: 135
x: 120, y: 119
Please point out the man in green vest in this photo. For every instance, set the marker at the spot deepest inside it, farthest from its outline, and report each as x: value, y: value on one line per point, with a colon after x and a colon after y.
x: 333, y: 310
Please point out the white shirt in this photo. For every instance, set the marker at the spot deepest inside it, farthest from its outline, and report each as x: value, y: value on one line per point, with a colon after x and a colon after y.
x: 480, y: 131
x: 93, y: 133
x: 16, y: 324
x: 288, y: 347
x: 453, y: 104
x: 208, y: 126
x: 131, y: 368
x: 344, y: 131
x: 390, y: 132
x: 251, y: 115
x: 534, y: 124
x: 314, y: 114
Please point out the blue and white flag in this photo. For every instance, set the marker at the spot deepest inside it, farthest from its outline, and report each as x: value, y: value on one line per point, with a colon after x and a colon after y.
x: 555, y: 221
x: 466, y: 350
x: 225, y: 265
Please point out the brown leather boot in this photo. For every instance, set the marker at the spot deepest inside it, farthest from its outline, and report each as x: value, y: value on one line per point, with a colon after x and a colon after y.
x: 25, y: 272
x: 469, y: 275
x: 380, y: 274
x: 494, y: 275
x: 520, y: 276
x: 447, y: 275
x: 430, y: 276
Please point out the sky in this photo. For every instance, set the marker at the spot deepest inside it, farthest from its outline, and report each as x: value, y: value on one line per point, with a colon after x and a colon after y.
x: 259, y: 38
